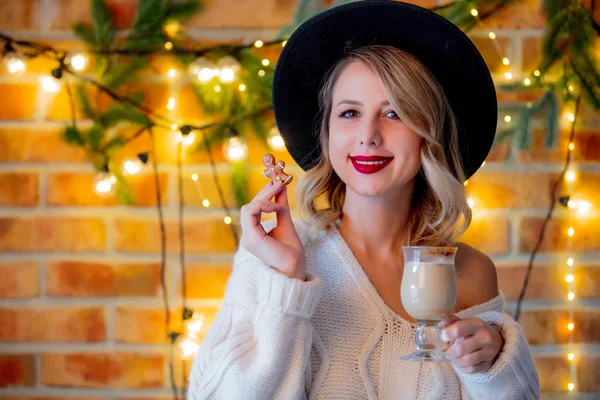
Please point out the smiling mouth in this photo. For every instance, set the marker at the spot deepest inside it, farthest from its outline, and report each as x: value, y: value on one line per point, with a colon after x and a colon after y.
x: 370, y: 165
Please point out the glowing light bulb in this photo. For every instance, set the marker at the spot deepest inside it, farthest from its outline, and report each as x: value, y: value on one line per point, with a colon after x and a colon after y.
x: 571, y: 296
x: 483, y: 164
x: 217, y: 88
x: 508, y: 118
x: 172, y: 73
x: 283, y: 43
x: 258, y: 44
x: 584, y: 207
x: 571, y: 356
x: 570, y: 261
x: 261, y: 73
x: 571, y: 386
x: 571, y: 88
x: 242, y: 87
x: 235, y: 149
x: 50, y: 84
x: 471, y: 202
x: 78, y: 61
x: 570, y: 176
x: 266, y: 62
x: 571, y: 146
x: 275, y: 140
x: 202, y: 68
x: 536, y: 72
x: 169, y: 46
x: 174, y: 127
x: 187, y: 346
x: 508, y: 75
x: 569, y: 278
x: 14, y: 63
x: 228, y: 68
x: 194, y: 325
x: 187, y: 139
x: 104, y: 184
x: 527, y: 81
x: 227, y: 75
x: 571, y: 117
x: 172, y: 28
x: 227, y: 220
x: 206, y: 203
x: 171, y: 103
x: 195, y: 177
x: 492, y: 35
x: 132, y: 167
x: 570, y: 326
x: 474, y: 12
x: 505, y: 61
x: 571, y: 231
x: 466, y: 183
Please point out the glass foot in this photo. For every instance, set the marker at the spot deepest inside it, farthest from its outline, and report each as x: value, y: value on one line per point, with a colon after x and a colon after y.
x: 426, y: 356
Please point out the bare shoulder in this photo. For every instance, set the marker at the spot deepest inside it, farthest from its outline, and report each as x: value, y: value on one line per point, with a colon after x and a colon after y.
x: 476, y: 277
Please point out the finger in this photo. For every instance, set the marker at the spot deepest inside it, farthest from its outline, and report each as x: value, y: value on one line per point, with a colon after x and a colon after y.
x: 463, y: 348
x: 270, y: 190
x: 461, y: 329
x: 447, y: 321
x: 284, y: 215
x: 470, y: 360
x: 250, y: 217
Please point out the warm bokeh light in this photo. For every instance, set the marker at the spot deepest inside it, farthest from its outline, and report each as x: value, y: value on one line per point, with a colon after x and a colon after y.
x: 569, y: 278
x: 132, y: 167
x: 227, y: 220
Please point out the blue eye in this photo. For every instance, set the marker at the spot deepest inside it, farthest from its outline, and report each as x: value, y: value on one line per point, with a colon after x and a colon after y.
x: 394, y: 115
x: 349, y: 114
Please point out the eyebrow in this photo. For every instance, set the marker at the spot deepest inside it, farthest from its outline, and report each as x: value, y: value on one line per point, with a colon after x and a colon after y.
x: 358, y: 103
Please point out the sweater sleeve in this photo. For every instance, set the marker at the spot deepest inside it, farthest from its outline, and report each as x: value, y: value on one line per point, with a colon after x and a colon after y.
x: 513, y: 376
x: 259, y: 344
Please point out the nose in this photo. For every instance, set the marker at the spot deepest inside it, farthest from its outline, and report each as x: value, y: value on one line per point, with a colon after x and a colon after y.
x: 371, y: 134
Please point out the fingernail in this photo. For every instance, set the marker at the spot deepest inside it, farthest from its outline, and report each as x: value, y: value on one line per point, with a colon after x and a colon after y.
x: 444, y: 336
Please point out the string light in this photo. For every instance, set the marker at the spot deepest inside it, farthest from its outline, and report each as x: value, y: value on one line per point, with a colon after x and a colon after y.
x: 172, y: 28
x: 14, y: 63
x: 571, y: 386
x: 172, y: 73
x: 185, y: 135
x: 235, y: 148
x: 283, y: 43
x: 571, y: 146
x: 570, y: 278
x: 104, y: 184
x: 227, y: 220
x: 571, y: 117
x: 537, y: 72
x: 187, y: 346
x: 132, y: 166
x: 194, y: 325
x: 169, y: 46
x: 570, y: 326
x: 508, y: 75
x: 195, y: 177
x: 78, y: 61
x: 206, y: 203
x: 492, y: 35
x: 202, y: 68
x: 571, y: 356
x: 50, y: 84
x: 571, y: 296
x: 275, y: 140
x: 228, y: 69
x: 474, y: 12
x: 266, y: 62
x: 571, y: 88
x: 508, y: 118
x: 471, y: 202
x: 217, y: 88
x: 242, y: 87
x: 261, y: 73
x: 570, y: 261
x: 571, y: 231
x: 527, y: 81
x: 505, y: 61
x: 466, y: 183
x: 171, y: 103
x: 174, y: 127
x: 258, y: 44
x: 570, y: 176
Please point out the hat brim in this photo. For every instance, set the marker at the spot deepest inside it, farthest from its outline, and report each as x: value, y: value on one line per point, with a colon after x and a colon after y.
x: 442, y: 47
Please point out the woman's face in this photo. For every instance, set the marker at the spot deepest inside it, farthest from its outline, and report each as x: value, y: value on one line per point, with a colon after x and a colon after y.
x: 370, y: 148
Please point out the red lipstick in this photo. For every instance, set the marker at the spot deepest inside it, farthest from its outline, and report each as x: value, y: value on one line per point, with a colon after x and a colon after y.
x: 370, y: 164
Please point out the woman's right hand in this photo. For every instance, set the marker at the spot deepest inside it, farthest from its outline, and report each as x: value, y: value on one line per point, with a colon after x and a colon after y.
x: 281, y: 248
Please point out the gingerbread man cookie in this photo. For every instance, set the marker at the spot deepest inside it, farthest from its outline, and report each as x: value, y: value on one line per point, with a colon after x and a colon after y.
x: 274, y: 170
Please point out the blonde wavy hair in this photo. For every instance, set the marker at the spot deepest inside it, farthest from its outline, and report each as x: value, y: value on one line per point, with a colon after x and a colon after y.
x: 440, y: 211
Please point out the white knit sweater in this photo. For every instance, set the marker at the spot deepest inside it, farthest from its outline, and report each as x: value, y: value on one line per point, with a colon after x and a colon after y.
x: 333, y: 337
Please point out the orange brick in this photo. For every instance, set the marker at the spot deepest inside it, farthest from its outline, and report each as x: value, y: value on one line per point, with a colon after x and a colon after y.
x: 553, y: 373
x: 548, y: 282
x: 550, y: 326
x: 527, y: 14
x: 244, y: 14
x: 510, y: 190
x: 65, y: 13
x: 21, y: 109
x: 103, y: 370
x: 587, y: 148
x: 207, y: 281
x: 556, y: 239
x: 19, y: 15
x: 500, y: 152
x: 17, y: 370
x: 139, y: 325
x: 19, y: 189
x: 532, y: 53
x: 52, y: 234
x: 493, y: 55
x: 156, y: 95
x: 52, y: 325
x: 489, y: 235
x: 189, y: 107
x: 37, y: 146
x: 140, y: 236
x: 20, y: 279
x: 77, y: 189
x: 84, y: 279
x: 587, y: 374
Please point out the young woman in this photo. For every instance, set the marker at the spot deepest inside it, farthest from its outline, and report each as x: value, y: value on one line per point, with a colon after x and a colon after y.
x: 389, y: 108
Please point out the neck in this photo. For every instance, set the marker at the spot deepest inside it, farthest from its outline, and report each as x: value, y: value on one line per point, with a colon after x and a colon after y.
x: 377, y: 224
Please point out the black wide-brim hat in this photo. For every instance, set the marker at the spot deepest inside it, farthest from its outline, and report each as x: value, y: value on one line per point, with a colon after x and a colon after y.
x: 320, y: 42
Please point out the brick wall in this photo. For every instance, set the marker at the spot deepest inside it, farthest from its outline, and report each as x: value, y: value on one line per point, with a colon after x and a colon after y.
x: 80, y: 301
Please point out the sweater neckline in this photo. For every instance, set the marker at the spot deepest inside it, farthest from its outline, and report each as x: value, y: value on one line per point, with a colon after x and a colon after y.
x: 359, y: 272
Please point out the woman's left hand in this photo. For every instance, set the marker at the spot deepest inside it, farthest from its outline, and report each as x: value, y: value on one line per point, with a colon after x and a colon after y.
x: 474, y: 345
